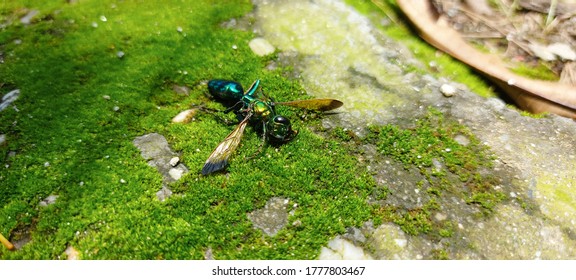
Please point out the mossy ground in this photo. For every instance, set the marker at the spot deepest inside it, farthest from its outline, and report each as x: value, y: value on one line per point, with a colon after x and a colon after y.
x: 66, y: 139
x: 448, y: 168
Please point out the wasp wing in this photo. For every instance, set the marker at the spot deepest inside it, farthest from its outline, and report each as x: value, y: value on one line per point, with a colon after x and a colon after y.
x: 219, y: 157
x: 323, y: 104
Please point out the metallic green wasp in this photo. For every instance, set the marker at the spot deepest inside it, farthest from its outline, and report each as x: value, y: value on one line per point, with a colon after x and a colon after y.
x: 253, y: 106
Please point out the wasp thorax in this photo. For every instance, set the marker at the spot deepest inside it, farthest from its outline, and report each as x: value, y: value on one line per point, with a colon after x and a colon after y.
x: 261, y: 109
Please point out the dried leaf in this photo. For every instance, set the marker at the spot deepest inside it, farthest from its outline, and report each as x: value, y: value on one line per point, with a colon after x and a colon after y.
x: 543, y: 6
x: 535, y: 96
x: 568, y: 75
x: 479, y: 6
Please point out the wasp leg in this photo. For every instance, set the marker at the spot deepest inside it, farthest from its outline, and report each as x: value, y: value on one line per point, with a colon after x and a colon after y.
x: 201, y: 107
x: 261, y: 146
x: 214, y: 113
x: 236, y: 107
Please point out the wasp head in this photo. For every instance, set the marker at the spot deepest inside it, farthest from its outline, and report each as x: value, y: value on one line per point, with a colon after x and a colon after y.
x: 280, y: 129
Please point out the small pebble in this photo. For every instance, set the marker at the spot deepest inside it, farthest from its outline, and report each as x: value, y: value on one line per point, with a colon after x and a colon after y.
x: 184, y: 116
x: 122, y: 181
x: 174, y: 161
x: 27, y: 19
x: 120, y: 54
x: 9, y: 98
x: 51, y: 199
x: 116, y: 108
x: 433, y: 66
x: 447, y: 90
x: 107, y: 97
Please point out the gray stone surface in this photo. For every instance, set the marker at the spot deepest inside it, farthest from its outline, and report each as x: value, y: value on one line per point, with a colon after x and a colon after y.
x: 272, y: 218
x: 155, y: 149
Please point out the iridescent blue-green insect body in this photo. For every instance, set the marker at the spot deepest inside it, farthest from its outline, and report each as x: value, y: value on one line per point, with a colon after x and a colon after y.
x: 252, y: 105
x: 226, y: 90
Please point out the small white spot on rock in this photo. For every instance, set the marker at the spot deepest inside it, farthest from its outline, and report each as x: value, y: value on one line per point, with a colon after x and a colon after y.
x: 462, y: 140
x: 176, y: 173
x: 401, y: 242
x: 440, y: 216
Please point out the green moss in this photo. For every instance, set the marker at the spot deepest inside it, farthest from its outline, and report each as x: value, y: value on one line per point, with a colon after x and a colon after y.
x: 430, y: 145
x: 488, y: 200
x: 343, y: 134
x: 539, y: 71
x: 446, y: 229
x: 440, y: 254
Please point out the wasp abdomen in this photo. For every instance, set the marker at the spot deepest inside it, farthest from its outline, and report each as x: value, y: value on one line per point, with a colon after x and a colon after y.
x: 226, y: 90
